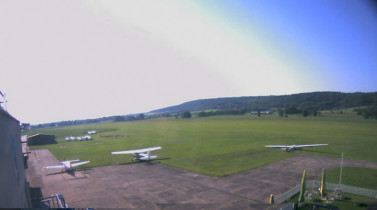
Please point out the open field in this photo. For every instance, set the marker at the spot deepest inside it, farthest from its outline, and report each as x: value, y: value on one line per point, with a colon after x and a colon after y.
x: 354, y: 176
x: 220, y: 145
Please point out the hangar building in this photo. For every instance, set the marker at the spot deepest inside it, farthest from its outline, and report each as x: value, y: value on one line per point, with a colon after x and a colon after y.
x: 14, y: 190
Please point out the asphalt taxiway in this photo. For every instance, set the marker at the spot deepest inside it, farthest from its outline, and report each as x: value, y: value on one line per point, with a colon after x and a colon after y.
x: 151, y: 185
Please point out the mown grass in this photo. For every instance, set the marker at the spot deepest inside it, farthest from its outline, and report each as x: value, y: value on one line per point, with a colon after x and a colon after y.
x: 354, y: 176
x: 219, y: 145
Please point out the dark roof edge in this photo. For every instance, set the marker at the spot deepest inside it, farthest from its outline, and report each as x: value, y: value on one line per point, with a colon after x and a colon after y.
x: 6, y: 114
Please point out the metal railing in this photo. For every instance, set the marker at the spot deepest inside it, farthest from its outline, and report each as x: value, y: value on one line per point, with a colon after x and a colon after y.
x: 329, y: 186
x: 3, y: 101
x: 352, y: 190
x: 53, y: 201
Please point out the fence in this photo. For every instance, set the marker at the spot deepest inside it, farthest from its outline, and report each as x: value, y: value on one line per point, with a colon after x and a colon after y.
x: 329, y: 186
x: 352, y: 190
x: 53, y: 201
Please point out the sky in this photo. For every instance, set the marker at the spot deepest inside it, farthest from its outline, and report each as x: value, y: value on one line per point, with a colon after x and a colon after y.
x: 70, y: 60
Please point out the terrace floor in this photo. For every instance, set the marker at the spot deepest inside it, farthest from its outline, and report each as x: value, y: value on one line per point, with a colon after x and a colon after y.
x: 151, y: 185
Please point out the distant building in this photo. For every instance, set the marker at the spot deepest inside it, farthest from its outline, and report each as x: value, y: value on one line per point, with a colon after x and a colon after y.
x: 25, y: 126
x: 265, y: 112
x: 14, y: 189
x: 41, y: 139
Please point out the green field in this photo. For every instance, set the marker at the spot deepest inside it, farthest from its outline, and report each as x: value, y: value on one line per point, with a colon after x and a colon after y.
x: 354, y: 176
x: 219, y: 145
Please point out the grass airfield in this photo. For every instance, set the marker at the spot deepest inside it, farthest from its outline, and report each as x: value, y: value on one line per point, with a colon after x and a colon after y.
x: 220, y: 145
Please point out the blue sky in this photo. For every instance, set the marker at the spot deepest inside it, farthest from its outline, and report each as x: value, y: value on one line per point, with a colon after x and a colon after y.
x: 337, y: 37
x: 67, y: 60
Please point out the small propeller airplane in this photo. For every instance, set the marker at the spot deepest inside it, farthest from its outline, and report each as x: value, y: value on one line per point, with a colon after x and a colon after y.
x: 67, y: 165
x: 139, y: 154
x: 92, y: 132
x: 289, y: 148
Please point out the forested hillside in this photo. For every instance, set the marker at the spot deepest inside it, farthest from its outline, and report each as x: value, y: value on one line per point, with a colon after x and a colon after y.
x: 301, y: 101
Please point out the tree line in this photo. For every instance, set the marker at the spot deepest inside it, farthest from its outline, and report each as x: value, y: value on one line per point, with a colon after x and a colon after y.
x: 302, y: 101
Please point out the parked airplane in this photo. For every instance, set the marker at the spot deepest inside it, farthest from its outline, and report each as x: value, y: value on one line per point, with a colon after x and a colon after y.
x: 289, y: 148
x: 70, y: 138
x: 92, y: 132
x: 67, y: 165
x: 139, y: 154
x: 78, y: 138
x: 87, y: 137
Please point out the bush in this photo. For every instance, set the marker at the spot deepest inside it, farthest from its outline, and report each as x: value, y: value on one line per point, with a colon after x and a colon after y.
x: 186, y: 114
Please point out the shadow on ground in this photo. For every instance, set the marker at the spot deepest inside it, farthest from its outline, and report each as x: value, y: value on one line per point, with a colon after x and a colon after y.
x: 145, y: 162
x: 36, y: 195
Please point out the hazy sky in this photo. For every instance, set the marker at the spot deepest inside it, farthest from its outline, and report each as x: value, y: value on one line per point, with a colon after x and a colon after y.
x: 68, y: 60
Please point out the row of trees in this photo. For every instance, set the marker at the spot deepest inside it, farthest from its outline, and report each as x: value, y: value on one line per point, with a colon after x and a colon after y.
x: 222, y: 112
x: 129, y: 118
x: 369, y: 112
x: 187, y: 114
x: 305, y: 111
x: 320, y: 100
x: 66, y: 123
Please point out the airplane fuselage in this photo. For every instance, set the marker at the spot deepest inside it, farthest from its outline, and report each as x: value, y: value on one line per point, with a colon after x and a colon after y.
x: 67, y: 165
x: 142, y: 156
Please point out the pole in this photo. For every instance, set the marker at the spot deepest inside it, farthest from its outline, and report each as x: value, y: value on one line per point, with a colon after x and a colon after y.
x: 323, y: 187
x: 341, y: 168
x: 301, y: 197
x: 271, y: 199
x: 100, y: 128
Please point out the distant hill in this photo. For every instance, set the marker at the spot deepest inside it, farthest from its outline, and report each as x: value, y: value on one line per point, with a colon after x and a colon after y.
x: 317, y: 100
x: 290, y: 104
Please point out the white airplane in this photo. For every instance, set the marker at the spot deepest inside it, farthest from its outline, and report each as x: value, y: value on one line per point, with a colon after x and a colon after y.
x: 139, y: 154
x: 67, y: 165
x: 70, y: 138
x: 87, y: 137
x: 92, y: 132
x: 289, y: 148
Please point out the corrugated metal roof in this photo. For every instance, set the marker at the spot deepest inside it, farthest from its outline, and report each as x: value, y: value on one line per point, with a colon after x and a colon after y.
x: 33, y: 135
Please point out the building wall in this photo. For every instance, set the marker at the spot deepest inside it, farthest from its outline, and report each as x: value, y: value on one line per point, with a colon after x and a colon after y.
x: 41, y: 139
x: 14, y: 189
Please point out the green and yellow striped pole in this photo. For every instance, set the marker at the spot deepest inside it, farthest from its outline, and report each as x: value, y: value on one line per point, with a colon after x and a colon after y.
x: 272, y: 199
x: 323, y: 187
x: 301, y: 198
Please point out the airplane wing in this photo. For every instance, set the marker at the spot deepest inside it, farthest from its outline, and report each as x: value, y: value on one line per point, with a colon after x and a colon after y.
x: 310, y: 145
x: 73, y: 161
x: 135, y: 151
x: 296, y: 146
x: 276, y: 146
x: 55, y: 167
x: 79, y: 164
